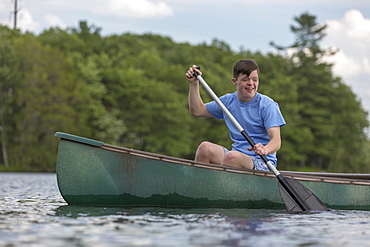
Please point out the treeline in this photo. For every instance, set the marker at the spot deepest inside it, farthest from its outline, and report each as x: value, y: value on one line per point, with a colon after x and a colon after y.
x: 130, y: 90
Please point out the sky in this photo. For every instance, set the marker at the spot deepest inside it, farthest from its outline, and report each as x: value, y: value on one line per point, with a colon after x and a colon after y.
x: 247, y: 24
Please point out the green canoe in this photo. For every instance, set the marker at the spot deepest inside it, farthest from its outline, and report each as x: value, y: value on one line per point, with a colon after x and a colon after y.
x: 93, y: 173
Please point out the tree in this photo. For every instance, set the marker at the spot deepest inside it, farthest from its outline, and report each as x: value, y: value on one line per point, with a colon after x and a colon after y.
x: 90, y: 36
x: 105, y: 122
x: 308, y: 34
x: 320, y: 110
x: 48, y: 98
x: 9, y: 76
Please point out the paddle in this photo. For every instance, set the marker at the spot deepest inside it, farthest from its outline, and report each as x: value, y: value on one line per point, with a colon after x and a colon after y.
x: 295, y: 196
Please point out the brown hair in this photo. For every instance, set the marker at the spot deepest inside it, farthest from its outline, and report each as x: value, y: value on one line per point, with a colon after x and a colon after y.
x: 245, y: 66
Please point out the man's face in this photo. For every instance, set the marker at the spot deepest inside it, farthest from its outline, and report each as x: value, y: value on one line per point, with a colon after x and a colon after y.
x: 246, y: 86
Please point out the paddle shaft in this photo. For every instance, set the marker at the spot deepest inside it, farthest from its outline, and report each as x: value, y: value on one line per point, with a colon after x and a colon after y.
x: 295, y: 196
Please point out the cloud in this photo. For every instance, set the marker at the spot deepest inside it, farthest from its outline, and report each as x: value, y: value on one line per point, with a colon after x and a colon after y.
x: 26, y: 21
x: 139, y: 8
x: 54, y: 21
x: 351, y: 35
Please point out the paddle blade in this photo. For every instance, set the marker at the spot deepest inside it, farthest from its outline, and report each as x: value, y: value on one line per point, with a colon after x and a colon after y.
x: 312, y: 201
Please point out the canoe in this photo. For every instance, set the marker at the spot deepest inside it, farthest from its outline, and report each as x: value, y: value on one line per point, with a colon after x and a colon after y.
x: 90, y: 172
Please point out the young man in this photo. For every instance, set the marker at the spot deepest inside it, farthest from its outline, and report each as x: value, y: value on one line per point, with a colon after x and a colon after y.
x: 258, y: 114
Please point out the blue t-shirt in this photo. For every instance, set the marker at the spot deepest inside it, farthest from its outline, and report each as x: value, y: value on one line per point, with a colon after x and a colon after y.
x: 255, y: 116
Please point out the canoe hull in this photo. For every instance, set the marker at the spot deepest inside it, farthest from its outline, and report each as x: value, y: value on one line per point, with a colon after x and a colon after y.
x: 93, y: 173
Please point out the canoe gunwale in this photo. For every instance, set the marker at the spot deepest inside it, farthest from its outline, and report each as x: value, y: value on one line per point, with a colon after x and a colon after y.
x: 181, y: 161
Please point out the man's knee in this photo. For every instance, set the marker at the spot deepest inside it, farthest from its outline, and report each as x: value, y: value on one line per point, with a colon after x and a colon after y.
x: 209, y: 152
x: 204, y: 148
x: 230, y: 157
x: 237, y: 159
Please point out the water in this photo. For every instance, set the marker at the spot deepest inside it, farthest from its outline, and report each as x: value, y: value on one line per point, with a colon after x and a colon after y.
x: 33, y: 213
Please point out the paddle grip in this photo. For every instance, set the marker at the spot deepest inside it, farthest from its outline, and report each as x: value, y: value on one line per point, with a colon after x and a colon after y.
x: 196, y: 73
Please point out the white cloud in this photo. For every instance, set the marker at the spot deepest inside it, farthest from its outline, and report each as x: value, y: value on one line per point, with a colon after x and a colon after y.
x: 26, y: 21
x: 54, y: 21
x: 351, y: 35
x: 139, y: 8
x: 358, y: 26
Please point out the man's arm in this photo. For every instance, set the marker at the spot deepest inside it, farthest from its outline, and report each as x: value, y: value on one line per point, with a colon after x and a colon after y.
x: 275, y: 140
x: 196, y: 106
x: 273, y: 146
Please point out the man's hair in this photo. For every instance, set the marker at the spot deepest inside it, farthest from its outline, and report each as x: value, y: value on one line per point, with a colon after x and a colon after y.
x: 245, y: 66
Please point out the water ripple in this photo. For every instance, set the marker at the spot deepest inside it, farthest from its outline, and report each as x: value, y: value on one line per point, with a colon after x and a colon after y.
x: 33, y: 213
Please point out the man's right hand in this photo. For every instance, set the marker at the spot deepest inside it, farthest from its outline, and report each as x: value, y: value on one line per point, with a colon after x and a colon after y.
x: 190, y: 74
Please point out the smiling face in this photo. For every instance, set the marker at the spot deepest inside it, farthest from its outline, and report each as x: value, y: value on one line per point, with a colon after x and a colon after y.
x: 246, y: 86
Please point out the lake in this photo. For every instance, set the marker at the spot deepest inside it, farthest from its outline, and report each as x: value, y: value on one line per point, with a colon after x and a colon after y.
x: 33, y: 213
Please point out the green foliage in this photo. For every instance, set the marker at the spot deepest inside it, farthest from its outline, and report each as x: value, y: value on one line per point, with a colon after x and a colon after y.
x: 332, y: 116
x: 130, y: 90
x: 9, y: 75
x: 48, y: 97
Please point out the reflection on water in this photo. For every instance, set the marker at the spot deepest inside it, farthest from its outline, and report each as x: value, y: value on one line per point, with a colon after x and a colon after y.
x: 168, y: 227
x: 227, y: 227
x: 33, y: 213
